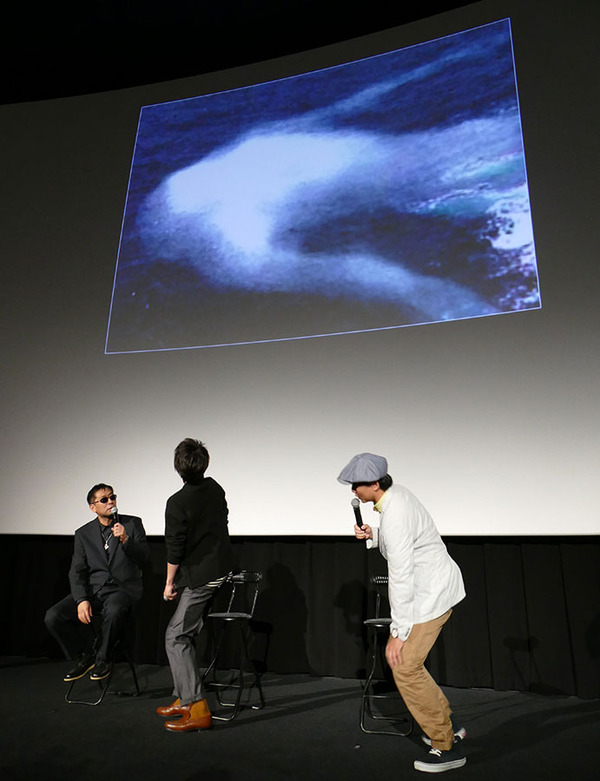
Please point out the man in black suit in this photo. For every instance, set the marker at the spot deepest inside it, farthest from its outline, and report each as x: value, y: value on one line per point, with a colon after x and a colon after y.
x: 199, y: 558
x: 106, y: 578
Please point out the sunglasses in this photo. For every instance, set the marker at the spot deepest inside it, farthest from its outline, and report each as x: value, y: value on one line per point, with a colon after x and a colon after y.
x: 105, y: 499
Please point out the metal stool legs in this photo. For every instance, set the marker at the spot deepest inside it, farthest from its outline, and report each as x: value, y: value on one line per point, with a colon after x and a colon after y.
x: 235, y: 680
x: 105, y: 683
x: 239, y: 612
x: 380, y: 626
x: 402, y: 719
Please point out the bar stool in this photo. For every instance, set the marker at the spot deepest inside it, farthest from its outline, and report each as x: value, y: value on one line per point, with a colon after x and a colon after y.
x: 378, y: 628
x: 243, y: 592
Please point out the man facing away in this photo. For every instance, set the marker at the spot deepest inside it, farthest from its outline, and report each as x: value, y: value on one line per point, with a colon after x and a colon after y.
x: 199, y: 558
x: 424, y: 584
x: 105, y: 578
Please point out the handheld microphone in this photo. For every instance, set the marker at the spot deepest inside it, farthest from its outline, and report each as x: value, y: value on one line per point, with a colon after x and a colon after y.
x: 357, y: 515
x: 115, y: 516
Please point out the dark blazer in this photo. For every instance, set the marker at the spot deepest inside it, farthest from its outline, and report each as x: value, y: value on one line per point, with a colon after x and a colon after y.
x: 196, y: 533
x: 90, y: 569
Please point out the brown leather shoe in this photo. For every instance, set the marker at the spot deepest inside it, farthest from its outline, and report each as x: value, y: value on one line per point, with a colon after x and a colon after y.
x: 194, y: 716
x: 174, y: 709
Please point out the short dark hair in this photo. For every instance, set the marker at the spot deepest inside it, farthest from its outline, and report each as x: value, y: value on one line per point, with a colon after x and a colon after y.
x: 385, y: 482
x: 191, y: 460
x: 95, y: 488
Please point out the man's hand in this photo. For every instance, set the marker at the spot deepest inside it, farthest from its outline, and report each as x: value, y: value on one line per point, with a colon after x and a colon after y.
x: 84, y: 612
x: 118, y: 530
x: 363, y: 532
x: 393, y: 651
x: 170, y: 592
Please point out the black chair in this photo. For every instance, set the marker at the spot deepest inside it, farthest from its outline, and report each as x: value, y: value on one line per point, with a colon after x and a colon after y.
x: 120, y: 650
x: 379, y: 691
x: 241, y: 592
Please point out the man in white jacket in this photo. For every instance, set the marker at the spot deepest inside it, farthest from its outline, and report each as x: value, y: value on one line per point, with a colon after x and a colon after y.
x: 424, y: 584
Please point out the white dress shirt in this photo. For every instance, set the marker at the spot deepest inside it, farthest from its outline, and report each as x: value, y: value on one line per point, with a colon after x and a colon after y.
x: 423, y: 581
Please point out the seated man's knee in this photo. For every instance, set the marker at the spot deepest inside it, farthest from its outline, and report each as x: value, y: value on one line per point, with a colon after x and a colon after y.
x: 119, y: 606
x: 50, y: 618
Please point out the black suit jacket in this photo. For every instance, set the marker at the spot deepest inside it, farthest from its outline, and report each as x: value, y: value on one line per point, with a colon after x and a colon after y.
x: 196, y: 533
x: 90, y: 568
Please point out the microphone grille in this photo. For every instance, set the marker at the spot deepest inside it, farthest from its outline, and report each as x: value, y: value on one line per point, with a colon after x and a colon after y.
x: 355, y: 502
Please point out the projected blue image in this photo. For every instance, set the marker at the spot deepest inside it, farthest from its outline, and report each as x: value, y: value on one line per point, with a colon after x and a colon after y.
x: 381, y: 193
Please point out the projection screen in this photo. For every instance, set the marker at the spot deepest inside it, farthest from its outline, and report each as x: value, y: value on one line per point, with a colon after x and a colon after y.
x: 385, y: 245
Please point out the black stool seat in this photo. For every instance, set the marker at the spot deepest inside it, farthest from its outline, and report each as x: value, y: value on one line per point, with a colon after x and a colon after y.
x: 231, y: 616
x: 378, y: 623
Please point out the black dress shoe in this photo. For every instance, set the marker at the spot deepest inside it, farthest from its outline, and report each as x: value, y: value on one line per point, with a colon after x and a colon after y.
x: 101, y: 670
x: 84, y: 663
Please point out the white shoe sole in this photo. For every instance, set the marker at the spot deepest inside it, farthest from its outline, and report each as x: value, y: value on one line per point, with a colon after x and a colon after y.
x: 430, y: 767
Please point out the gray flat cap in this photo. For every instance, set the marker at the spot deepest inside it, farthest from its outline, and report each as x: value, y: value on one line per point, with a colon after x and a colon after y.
x: 364, y: 468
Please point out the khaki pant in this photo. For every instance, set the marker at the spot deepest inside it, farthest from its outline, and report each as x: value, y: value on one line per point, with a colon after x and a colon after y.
x: 421, y: 694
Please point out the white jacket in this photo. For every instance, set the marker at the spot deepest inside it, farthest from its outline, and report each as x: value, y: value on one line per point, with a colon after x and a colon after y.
x: 424, y: 582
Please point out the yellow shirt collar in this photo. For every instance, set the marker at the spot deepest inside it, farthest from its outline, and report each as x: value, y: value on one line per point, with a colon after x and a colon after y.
x: 377, y: 506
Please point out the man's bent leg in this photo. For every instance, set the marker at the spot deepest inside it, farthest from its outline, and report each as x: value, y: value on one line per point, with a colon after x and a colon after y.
x: 186, y: 623
x: 423, y: 697
x: 117, y: 614
x: 62, y: 623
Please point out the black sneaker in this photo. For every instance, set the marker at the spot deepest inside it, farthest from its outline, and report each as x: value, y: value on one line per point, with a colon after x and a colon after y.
x: 101, y: 670
x: 84, y: 663
x: 460, y: 733
x: 439, y: 761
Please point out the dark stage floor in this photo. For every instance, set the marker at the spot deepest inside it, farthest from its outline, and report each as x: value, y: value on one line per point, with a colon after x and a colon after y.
x: 308, y: 730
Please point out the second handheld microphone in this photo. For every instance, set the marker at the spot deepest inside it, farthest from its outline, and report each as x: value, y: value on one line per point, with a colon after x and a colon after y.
x: 357, y: 514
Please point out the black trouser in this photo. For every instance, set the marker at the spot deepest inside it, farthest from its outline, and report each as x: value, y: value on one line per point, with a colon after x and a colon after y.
x: 112, y: 603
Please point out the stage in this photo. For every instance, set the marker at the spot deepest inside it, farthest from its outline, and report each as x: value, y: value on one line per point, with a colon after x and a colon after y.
x: 308, y: 729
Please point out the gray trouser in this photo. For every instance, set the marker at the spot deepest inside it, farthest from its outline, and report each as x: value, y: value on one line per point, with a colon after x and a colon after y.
x: 186, y: 623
